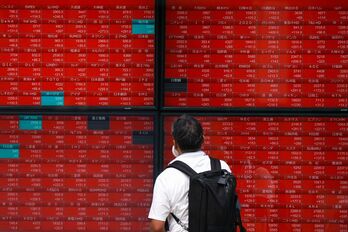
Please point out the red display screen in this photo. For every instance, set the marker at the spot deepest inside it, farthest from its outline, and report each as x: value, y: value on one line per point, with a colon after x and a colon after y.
x: 75, y: 173
x: 292, y: 172
x: 77, y: 53
x: 268, y: 54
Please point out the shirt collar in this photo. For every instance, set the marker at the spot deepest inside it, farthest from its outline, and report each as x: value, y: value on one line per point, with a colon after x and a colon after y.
x: 188, y: 155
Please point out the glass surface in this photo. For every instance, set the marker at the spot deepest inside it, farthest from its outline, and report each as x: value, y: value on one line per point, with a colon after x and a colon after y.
x: 291, y: 171
x: 74, y: 173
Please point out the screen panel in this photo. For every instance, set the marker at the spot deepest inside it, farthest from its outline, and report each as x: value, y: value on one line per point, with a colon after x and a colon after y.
x: 75, y: 172
x: 77, y: 53
x: 291, y: 171
x: 268, y: 54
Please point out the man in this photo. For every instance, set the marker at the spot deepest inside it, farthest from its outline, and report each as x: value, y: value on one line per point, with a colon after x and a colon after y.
x: 171, y: 187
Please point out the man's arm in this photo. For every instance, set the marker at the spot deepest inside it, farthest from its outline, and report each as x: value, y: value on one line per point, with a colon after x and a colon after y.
x: 157, y: 226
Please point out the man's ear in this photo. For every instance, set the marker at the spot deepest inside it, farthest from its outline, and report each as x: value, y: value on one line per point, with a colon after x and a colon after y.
x: 175, y: 144
x: 177, y: 147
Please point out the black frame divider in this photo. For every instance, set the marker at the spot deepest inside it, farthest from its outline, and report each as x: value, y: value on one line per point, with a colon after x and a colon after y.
x: 159, y: 145
x: 160, y: 23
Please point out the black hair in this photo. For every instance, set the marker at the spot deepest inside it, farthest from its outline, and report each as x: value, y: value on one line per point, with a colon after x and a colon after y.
x: 188, y: 133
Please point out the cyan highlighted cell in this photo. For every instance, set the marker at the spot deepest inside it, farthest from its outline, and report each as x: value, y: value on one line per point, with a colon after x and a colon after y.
x: 143, y: 26
x: 30, y: 122
x: 52, y: 98
x: 9, y: 151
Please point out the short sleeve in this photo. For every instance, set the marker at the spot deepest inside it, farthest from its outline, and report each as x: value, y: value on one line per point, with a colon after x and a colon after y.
x: 160, y: 206
x: 225, y: 166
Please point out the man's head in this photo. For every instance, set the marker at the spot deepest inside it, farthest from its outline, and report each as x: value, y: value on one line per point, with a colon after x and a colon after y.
x: 187, y: 133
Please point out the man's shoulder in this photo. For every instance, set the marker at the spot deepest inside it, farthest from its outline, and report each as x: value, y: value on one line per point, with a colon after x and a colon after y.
x: 224, y: 165
x: 169, y: 173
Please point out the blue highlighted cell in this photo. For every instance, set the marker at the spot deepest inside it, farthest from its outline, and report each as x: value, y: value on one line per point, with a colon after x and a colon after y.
x: 30, y: 122
x: 143, y: 26
x: 52, y: 98
x: 9, y: 151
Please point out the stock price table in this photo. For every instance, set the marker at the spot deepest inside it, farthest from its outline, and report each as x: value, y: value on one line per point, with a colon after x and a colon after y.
x: 257, y: 54
x: 292, y: 172
x: 75, y: 173
x: 76, y: 53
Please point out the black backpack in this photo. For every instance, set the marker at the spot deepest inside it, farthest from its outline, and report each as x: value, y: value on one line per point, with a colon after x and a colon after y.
x: 212, y: 199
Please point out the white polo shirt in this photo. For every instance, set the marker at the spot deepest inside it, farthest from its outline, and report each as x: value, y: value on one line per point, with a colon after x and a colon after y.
x: 170, y: 194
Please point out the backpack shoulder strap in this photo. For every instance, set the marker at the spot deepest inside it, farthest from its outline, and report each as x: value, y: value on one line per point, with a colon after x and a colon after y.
x: 181, y: 166
x: 184, y: 168
x: 215, y: 164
